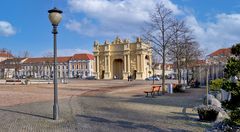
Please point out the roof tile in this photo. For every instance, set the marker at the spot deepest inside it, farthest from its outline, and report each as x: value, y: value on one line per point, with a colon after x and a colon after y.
x: 221, y: 52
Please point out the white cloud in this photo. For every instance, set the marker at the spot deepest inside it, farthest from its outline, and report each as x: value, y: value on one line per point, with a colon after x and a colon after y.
x: 109, y: 18
x: 224, y: 32
x: 6, y: 29
x: 113, y: 17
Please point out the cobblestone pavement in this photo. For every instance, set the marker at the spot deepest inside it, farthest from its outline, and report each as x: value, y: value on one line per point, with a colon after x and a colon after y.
x: 97, y: 106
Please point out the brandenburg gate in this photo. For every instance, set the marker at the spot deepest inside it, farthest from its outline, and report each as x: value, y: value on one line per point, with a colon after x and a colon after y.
x: 121, y: 59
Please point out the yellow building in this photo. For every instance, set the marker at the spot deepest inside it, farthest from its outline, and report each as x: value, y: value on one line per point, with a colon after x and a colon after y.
x: 121, y: 58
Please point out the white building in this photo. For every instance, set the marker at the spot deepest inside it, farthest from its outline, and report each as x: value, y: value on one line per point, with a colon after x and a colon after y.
x: 76, y: 66
x: 5, y: 55
x: 215, y: 63
x: 169, y: 70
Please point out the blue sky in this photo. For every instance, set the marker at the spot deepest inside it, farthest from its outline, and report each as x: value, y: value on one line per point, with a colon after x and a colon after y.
x: 24, y: 24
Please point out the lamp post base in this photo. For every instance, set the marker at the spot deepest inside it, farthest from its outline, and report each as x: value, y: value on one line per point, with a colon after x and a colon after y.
x: 55, y: 111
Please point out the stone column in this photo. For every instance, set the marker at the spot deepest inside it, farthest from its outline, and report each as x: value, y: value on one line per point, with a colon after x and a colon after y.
x: 125, y: 63
x: 105, y: 63
x: 142, y: 63
x: 138, y: 66
x: 97, y: 67
x: 109, y: 63
x: 69, y: 71
x: 89, y: 68
x: 97, y: 63
x: 129, y: 61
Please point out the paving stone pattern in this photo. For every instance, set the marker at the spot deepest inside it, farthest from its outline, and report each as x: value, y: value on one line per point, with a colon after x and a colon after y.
x: 98, y: 106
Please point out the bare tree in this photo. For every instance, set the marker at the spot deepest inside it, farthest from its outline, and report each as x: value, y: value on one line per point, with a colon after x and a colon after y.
x: 48, y: 62
x: 17, y: 61
x: 159, y: 33
x: 176, y: 50
x: 17, y: 66
x: 192, y: 54
x: 155, y: 63
x: 25, y: 54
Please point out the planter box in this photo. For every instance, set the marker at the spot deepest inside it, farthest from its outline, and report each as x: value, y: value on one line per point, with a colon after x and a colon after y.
x: 207, y: 115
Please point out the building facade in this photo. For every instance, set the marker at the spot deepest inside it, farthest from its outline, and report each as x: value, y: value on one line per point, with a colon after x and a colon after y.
x: 5, y: 55
x: 214, y: 63
x: 121, y: 58
x: 169, y: 70
x: 76, y: 66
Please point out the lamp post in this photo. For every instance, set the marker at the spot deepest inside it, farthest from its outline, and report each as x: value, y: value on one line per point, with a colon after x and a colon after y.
x: 207, y: 84
x: 207, y: 81
x: 55, y: 18
x: 183, y: 72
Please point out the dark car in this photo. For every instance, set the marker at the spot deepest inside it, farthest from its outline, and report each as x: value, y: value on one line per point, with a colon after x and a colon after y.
x: 45, y: 77
x: 91, y: 78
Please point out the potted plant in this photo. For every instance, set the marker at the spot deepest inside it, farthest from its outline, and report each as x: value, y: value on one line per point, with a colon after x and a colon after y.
x: 207, y: 112
x: 27, y: 81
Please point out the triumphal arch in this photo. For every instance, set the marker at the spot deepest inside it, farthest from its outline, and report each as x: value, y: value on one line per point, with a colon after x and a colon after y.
x: 122, y: 58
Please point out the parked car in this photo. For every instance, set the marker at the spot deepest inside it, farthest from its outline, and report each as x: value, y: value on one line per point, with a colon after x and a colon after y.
x: 23, y: 77
x: 45, y: 77
x: 91, y: 78
x: 151, y: 78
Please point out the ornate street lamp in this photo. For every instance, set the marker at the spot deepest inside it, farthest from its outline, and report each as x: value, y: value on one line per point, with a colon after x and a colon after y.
x: 55, y: 18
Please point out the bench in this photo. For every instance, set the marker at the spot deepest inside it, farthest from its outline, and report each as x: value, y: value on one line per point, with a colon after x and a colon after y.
x: 13, y: 81
x: 155, y: 89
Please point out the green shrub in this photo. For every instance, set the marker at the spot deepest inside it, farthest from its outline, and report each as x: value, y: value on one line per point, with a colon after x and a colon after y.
x: 232, y: 69
x: 235, y: 116
x: 216, y: 84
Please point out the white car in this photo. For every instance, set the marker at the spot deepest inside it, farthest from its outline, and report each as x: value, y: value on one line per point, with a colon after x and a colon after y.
x: 151, y: 78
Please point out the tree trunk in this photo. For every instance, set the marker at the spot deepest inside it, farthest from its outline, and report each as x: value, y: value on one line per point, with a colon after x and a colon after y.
x: 178, y: 73
x: 187, y: 76
x: 163, y: 73
x: 153, y: 76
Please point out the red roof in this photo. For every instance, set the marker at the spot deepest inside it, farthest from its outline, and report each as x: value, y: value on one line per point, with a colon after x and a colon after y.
x: 82, y: 57
x: 221, y: 52
x: 5, y: 54
x: 60, y: 59
x: 47, y: 59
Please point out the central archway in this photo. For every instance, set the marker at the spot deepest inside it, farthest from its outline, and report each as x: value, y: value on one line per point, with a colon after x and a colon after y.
x: 118, y: 69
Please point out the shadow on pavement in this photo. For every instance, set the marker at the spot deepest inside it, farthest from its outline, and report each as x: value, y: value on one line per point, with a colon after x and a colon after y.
x: 188, y: 99
x: 121, y: 123
x: 24, y: 113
